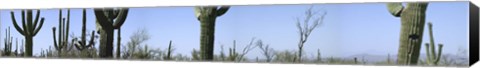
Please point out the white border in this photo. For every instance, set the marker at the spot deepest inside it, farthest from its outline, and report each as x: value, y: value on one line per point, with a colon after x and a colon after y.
x: 35, y: 4
x: 75, y: 63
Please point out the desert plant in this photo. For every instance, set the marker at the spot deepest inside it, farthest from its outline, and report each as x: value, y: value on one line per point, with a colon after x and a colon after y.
x: 62, y: 33
x: 222, y: 55
x: 7, y: 50
x: 285, y: 56
x: 107, y: 21
x: 29, y: 29
x: 207, y: 16
x: 82, y: 44
x: 306, y: 29
x: 118, y: 42
x: 232, y: 52
x: 169, y: 51
x: 142, y: 53
x: 355, y: 60
x: 268, y: 52
x: 319, y: 56
x: 412, y: 24
x: 240, y: 56
x: 432, y: 57
x: 134, y: 49
x: 195, y: 55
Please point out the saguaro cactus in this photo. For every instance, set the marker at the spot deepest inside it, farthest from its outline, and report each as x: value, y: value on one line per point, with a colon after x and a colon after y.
x: 29, y: 29
x: 232, y: 52
x: 207, y: 16
x: 169, y: 51
x: 8, y: 43
x: 118, y: 43
x: 62, y: 33
x: 413, y: 21
x: 83, y: 43
x: 107, y: 21
x: 355, y: 60
x: 432, y: 57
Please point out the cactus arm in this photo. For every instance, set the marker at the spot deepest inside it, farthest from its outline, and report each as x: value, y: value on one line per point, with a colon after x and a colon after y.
x: 431, y: 40
x: 24, y: 24
x: 428, y: 53
x: 439, y: 55
x: 198, y: 12
x: 118, y: 43
x: 36, y: 18
x: 109, y: 13
x: 14, y: 22
x: 68, y: 27
x: 395, y: 9
x: 30, y: 20
x: 78, y: 47
x: 39, y: 27
x: 92, y: 41
x: 54, y: 38
x: 84, y: 27
x: 121, y: 19
x: 222, y: 10
x: 100, y: 15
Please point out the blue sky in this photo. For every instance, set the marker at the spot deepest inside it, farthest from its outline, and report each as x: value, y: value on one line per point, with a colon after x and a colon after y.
x: 348, y: 29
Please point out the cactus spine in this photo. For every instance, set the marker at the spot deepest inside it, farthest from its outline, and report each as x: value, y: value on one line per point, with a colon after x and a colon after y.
x: 412, y: 24
x: 432, y: 57
x: 207, y: 16
x: 62, y: 33
x: 29, y: 29
x: 8, y: 43
x: 83, y: 43
x: 107, y: 21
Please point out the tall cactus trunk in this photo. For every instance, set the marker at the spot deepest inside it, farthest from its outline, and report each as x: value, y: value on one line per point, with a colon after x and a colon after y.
x: 107, y: 21
x: 30, y: 28
x: 106, y: 42
x: 8, y: 43
x: 83, y: 43
x: 169, y: 51
x: 28, y: 46
x: 207, y: 16
x: 432, y: 57
x: 118, y: 43
x: 207, y: 37
x: 412, y: 26
x: 64, y: 27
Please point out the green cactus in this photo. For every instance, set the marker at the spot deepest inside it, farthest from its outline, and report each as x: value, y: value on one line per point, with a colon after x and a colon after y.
x: 412, y: 24
x: 319, y: 56
x: 83, y: 43
x: 62, y: 33
x: 7, y: 51
x: 233, y: 54
x: 207, y: 16
x: 29, y: 29
x: 355, y: 60
x: 432, y: 57
x: 169, y: 51
x: 107, y: 21
x: 16, y: 46
x: 118, y: 43
x: 195, y: 55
